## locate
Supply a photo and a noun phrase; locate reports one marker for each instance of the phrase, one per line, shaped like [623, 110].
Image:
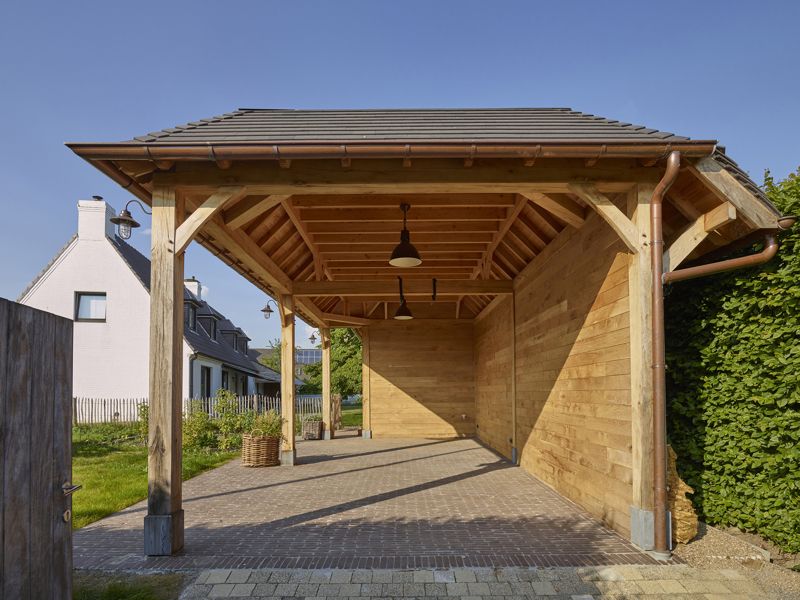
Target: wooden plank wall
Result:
[572, 371]
[493, 369]
[421, 378]
[35, 453]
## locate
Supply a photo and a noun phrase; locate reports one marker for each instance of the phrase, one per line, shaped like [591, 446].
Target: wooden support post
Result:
[286, 308]
[327, 407]
[163, 525]
[366, 421]
[641, 357]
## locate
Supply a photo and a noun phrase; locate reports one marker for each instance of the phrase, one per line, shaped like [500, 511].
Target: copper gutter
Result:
[579, 148]
[661, 542]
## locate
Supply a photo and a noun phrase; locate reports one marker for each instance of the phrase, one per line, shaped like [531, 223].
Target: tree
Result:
[272, 357]
[345, 366]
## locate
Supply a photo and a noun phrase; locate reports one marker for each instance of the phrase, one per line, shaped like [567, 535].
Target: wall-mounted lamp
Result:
[403, 313]
[125, 221]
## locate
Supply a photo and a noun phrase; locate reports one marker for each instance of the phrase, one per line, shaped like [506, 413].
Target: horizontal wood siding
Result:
[493, 370]
[573, 371]
[421, 378]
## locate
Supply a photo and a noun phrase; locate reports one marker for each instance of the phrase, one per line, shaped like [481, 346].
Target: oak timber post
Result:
[641, 356]
[288, 450]
[366, 424]
[327, 408]
[163, 525]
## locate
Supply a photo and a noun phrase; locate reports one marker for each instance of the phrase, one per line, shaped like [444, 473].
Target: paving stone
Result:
[239, 576]
[217, 576]
[464, 576]
[444, 576]
[392, 590]
[242, 589]
[341, 576]
[543, 588]
[285, 589]
[371, 589]
[479, 589]
[381, 576]
[265, 589]
[423, 577]
[457, 589]
[221, 590]
[403, 577]
[361, 576]
[280, 577]
[435, 589]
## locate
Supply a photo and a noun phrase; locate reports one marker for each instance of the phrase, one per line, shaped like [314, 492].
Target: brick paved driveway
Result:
[367, 504]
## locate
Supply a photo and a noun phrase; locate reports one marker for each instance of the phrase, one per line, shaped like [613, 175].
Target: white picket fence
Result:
[126, 410]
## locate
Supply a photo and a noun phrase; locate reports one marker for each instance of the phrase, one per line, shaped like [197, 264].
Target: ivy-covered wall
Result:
[733, 356]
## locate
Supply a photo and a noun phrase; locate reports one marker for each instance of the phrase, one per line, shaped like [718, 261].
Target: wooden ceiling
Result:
[460, 236]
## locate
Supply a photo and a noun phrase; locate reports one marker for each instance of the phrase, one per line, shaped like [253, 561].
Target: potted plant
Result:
[261, 447]
[312, 427]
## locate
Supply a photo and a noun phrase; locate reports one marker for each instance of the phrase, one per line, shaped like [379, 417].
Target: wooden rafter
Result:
[320, 270]
[350, 288]
[250, 208]
[511, 216]
[561, 206]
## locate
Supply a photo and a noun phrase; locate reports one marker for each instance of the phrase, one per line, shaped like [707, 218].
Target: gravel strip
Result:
[715, 549]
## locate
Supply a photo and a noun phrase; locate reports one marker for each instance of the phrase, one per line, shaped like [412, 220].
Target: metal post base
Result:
[642, 528]
[163, 534]
[514, 457]
[288, 457]
[366, 434]
[327, 434]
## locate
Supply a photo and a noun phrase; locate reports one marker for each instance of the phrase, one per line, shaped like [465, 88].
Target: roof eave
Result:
[433, 148]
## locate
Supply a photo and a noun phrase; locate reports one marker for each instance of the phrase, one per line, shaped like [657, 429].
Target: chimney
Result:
[94, 219]
[194, 286]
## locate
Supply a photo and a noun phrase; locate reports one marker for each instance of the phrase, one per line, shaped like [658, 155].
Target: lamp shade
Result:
[124, 222]
[404, 254]
[403, 313]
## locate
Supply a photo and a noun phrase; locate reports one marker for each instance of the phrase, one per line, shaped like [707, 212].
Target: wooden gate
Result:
[35, 454]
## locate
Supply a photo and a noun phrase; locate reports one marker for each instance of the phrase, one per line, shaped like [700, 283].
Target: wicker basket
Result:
[312, 430]
[260, 451]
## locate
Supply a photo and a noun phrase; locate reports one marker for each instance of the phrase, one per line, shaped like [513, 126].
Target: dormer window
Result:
[210, 325]
[191, 316]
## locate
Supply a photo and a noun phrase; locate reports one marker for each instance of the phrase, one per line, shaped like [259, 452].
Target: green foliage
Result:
[199, 431]
[143, 412]
[312, 417]
[272, 357]
[94, 585]
[231, 423]
[268, 424]
[345, 366]
[734, 388]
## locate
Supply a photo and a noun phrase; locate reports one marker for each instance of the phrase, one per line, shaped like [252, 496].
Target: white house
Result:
[103, 284]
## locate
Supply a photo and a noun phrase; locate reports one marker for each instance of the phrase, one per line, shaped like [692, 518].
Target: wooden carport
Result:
[535, 225]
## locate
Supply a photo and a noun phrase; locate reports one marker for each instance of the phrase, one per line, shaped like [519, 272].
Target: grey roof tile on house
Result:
[262, 126]
[198, 340]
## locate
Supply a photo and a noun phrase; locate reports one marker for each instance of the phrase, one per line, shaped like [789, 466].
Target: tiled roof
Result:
[259, 126]
[46, 268]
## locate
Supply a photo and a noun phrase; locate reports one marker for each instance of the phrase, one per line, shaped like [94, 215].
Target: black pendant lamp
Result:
[404, 254]
[403, 313]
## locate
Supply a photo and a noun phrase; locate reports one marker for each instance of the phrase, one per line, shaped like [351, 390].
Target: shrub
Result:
[734, 391]
[229, 421]
[199, 431]
[312, 417]
[269, 424]
[142, 425]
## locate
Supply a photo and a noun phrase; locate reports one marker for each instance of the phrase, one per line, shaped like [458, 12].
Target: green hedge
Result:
[733, 387]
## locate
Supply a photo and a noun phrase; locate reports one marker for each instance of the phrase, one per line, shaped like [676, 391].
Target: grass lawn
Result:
[112, 467]
[351, 415]
[103, 586]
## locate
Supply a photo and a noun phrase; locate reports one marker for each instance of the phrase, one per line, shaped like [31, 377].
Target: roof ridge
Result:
[154, 135]
[397, 109]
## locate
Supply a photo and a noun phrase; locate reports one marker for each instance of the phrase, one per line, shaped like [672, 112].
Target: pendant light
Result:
[404, 254]
[403, 313]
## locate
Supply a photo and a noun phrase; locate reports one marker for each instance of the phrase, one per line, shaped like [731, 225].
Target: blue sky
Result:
[105, 71]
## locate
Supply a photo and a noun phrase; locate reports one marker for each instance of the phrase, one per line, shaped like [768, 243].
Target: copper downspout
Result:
[660, 541]
[661, 546]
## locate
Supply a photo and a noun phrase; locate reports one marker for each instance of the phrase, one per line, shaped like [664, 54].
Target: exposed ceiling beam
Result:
[511, 216]
[691, 237]
[394, 200]
[561, 206]
[320, 269]
[415, 215]
[464, 287]
[248, 209]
